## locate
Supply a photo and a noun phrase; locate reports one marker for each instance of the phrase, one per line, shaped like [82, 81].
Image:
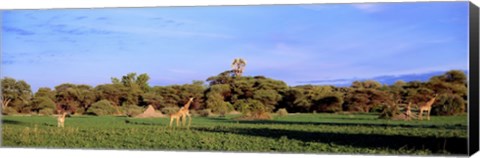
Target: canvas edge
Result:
[473, 101]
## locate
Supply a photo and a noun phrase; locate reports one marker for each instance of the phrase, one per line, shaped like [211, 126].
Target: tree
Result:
[449, 104]
[132, 88]
[110, 92]
[222, 78]
[332, 103]
[238, 66]
[43, 101]
[363, 100]
[44, 105]
[102, 107]
[16, 94]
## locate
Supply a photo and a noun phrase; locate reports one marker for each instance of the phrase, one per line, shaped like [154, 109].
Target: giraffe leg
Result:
[183, 120]
[420, 115]
[189, 120]
[428, 114]
[171, 121]
[177, 121]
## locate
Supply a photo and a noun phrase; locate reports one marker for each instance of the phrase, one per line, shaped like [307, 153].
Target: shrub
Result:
[170, 110]
[205, 112]
[43, 103]
[102, 107]
[9, 111]
[253, 110]
[132, 110]
[448, 104]
[46, 111]
[389, 111]
[328, 104]
[282, 112]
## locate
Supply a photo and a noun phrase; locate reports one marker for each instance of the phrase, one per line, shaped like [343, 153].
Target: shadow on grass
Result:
[145, 123]
[12, 122]
[385, 125]
[453, 145]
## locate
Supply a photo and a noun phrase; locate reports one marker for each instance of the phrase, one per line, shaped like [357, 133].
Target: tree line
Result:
[253, 96]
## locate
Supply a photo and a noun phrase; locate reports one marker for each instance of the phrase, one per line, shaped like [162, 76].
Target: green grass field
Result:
[295, 133]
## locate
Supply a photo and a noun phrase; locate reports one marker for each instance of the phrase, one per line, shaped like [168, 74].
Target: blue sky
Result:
[299, 44]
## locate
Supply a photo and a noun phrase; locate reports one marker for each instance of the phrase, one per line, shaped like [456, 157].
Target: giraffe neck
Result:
[429, 103]
[188, 104]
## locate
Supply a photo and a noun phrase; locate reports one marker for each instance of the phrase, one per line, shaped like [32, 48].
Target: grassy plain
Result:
[295, 133]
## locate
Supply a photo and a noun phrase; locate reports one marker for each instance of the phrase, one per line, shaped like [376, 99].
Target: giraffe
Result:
[61, 119]
[183, 113]
[408, 111]
[427, 107]
[177, 116]
[186, 112]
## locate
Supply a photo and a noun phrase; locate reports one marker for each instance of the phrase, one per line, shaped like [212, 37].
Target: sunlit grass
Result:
[312, 133]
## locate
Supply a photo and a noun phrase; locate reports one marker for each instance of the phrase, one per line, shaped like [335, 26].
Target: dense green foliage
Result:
[312, 133]
[102, 107]
[255, 97]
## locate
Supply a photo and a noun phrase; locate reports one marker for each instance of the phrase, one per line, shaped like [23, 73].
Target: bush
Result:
[46, 111]
[205, 112]
[389, 111]
[44, 103]
[132, 110]
[170, 110]
[449, 104]
[102, 107]
[253, 110]
[9, 111]
[282, 112]
[328, 104]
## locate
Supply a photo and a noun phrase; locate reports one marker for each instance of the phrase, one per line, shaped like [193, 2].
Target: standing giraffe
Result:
[61, 119]
[408, 111]
[186, 112]
[177, 116]
[183, 113]
[427, 107]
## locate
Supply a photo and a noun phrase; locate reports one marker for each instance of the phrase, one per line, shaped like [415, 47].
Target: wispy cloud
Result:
[80, 17]
[8, 62]
[17, 31]
[368, 7]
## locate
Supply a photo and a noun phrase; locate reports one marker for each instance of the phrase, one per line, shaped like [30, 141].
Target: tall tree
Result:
[238, 66]
[15, 93]
[43, 101]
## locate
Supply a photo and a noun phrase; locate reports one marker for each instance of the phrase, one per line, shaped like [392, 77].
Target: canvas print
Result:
[360, 78]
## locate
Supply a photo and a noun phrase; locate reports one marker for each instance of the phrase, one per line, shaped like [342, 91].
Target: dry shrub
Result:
[282, 112]
[205, 112]
[256, 116]
[9, 111]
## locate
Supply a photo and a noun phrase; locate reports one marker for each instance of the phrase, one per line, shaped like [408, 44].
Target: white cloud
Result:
[369, 8]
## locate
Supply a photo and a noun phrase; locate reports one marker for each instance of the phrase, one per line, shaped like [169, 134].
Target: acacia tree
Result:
[43, 101]
[65, 97]
[368, 95]
[132, 88]
[452, 90]
[110, 92]
[238, 66]
[216, 99]
[16, 94]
